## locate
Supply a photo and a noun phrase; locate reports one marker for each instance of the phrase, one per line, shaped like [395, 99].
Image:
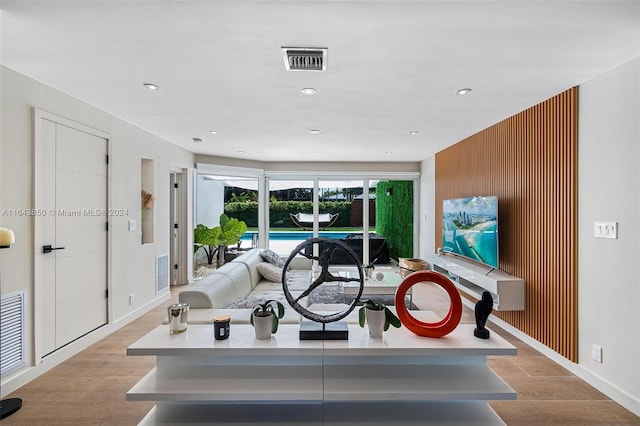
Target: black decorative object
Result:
[483, 310]
[326, 248]
[310, 330]
[9, 406]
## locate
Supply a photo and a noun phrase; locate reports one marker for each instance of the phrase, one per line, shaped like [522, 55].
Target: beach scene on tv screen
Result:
[470, 228]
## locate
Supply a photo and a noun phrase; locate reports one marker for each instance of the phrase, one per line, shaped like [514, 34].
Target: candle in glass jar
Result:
[221, 326]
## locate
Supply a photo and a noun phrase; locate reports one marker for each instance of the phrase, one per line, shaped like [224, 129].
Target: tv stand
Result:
[473, 279]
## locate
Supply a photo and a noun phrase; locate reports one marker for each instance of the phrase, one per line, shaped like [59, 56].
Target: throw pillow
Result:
[273, 258]
[270, 272]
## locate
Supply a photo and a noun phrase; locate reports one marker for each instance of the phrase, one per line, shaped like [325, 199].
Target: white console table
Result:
[507, 291]
[401, 379]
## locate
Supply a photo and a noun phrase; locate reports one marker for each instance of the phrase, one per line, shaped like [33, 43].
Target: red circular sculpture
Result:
[429, 329]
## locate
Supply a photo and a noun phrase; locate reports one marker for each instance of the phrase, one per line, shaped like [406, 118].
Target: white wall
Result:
[609, 190]
[132, 265]
[210, 201]
[427, 206]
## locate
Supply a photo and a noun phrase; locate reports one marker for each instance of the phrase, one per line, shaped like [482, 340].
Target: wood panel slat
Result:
[530, 162]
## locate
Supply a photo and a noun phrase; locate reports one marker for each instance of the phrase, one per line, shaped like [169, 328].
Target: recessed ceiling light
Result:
[151, 86]
[314, 131]
[413, 133]
[463, 91]
[308, 91]
[213, 132]
[196, 140]
[389, 152]
[316, 153]
[240, 151]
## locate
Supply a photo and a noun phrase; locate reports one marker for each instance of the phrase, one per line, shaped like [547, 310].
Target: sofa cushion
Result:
[298, 280]
[251, 259]
[240, 277]
[213, 291]
[270, 272]
[300, 262]
[266, 285]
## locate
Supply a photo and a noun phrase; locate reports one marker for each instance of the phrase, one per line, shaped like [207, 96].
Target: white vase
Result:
[375, 322]
[262, 326]
[369, 272]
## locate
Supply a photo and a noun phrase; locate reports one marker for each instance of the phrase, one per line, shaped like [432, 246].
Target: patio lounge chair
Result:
[305, 220]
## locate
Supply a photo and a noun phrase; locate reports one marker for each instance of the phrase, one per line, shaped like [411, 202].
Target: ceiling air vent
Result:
[304, 58]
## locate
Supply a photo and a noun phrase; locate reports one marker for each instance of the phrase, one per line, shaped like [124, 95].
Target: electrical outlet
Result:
[596, 353]
[605, 230]
[132, 299]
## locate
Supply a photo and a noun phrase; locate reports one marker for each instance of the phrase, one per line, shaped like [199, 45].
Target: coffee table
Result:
[372, 286]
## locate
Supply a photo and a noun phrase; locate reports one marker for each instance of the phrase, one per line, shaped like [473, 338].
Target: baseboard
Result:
[610, 390]
[24, 376]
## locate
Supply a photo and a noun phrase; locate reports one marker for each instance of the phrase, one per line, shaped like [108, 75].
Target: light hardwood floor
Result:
[90, 388]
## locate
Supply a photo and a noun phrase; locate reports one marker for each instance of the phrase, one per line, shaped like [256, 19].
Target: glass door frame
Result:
[365, 177]
[241, 172]
[263, 178]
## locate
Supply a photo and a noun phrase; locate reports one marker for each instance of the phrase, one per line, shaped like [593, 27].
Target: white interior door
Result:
[72, 190]
[174, 264]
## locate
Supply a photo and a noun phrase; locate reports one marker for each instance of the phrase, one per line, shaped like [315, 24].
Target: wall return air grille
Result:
[162, 273]
[304, 58]
[12, 332]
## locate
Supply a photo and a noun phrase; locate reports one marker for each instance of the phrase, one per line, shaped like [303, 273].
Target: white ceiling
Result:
[393, 67]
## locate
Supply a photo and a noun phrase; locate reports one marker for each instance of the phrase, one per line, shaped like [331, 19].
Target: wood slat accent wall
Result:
[530, 162]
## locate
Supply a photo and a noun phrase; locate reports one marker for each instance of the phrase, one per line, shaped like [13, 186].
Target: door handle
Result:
[48, 249]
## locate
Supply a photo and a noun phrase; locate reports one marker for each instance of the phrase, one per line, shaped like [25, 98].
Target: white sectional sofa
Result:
[237, 286]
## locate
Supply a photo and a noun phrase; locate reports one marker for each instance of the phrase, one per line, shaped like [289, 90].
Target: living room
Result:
[582, 169]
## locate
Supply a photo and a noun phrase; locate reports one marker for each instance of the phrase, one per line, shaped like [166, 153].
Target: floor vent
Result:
[12, 332]
[162, 273]
[304, 58]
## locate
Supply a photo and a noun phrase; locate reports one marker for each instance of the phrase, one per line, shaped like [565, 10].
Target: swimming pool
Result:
[296, 235]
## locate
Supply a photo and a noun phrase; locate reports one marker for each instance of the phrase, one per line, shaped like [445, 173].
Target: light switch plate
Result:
[605, 230]
[596, 353]
[132, 224]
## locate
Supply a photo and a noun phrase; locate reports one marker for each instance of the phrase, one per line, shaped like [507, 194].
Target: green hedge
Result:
[247, 211]
[279, 212]
[394, 216]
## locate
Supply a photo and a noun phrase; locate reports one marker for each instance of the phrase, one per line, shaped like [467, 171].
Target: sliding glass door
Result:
[290, 214]
[375, 216]
[236, 197]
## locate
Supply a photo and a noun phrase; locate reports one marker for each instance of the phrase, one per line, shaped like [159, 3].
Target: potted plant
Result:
[206, 239]
[231, 229]
[218, 238]
[266, 317]
[378, 316]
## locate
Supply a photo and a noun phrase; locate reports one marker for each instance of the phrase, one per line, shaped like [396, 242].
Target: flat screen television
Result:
[470, 228]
